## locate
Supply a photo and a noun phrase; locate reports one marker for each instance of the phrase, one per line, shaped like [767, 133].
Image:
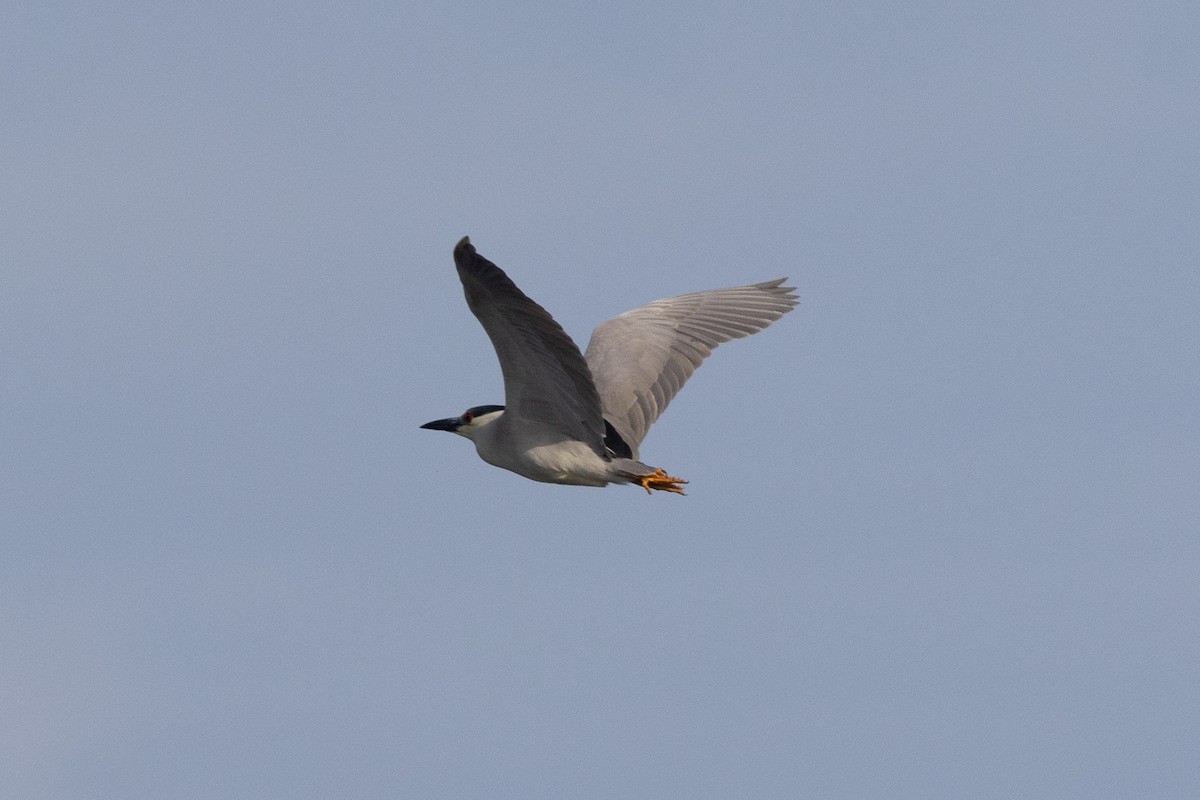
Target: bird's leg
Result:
[661, 481]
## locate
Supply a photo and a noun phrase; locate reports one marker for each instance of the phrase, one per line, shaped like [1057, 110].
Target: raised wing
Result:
[546, 380]
[641, 359]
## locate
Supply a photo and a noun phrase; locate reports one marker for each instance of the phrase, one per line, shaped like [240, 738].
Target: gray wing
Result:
[641, 359]
[546, 379]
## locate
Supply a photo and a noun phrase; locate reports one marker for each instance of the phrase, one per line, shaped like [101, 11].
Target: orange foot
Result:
[661, 481]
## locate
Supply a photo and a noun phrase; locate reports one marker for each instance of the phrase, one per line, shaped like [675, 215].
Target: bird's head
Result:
[469, 424]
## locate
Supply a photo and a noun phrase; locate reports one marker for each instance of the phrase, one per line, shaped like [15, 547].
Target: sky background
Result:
[941, 536]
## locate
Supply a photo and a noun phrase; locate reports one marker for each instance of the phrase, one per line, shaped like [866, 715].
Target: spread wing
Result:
[641, 359]
[546, 380]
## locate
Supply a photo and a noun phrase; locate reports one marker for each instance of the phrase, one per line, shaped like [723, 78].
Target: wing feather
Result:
[641, 359]
[546, 380]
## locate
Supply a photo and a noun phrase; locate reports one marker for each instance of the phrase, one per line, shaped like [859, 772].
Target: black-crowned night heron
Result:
[578, 419]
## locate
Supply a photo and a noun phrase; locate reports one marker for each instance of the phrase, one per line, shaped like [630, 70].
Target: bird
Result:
[579, 418]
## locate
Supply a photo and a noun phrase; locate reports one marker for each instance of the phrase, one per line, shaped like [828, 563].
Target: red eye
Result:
[467, 417]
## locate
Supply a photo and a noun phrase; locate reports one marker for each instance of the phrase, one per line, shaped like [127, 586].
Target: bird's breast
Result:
[542, 456]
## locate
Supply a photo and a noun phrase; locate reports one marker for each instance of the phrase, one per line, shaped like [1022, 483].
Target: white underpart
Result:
[538, 453]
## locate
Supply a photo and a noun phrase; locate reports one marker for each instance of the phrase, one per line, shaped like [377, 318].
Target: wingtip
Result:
[464, 245]
[781, 286]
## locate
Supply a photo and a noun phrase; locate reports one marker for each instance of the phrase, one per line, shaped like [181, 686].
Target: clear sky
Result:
[942, 535]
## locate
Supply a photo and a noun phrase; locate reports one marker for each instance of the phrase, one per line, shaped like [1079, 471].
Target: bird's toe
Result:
[661, 481]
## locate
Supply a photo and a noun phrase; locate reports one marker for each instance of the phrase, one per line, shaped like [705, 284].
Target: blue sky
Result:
[941, 532]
